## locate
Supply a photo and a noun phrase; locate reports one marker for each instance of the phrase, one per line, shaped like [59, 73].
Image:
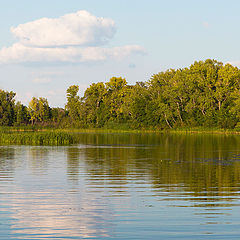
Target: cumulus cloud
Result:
[80, 28]
[74, 38]
[19, 53]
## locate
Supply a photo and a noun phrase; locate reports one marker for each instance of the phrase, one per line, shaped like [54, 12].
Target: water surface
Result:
[122, 186]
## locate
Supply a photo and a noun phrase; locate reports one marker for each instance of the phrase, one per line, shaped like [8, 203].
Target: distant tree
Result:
[7, 105]
[73, 103]
[22, 115]
[135, 104]
[57, 114]
[115, 96]
[161, 110]
[94, 108]
[205, 94]
[39, 110]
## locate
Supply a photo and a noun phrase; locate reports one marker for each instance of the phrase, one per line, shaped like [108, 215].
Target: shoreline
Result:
[113, 130]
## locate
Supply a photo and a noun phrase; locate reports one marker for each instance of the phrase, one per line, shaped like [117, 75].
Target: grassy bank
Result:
[116, 129]
[198, 130]
[37, 138]
[48, 130]
[41, 136]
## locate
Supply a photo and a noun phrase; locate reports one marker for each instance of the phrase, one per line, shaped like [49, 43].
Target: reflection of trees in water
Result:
[204, 164]
[7, 162]
[73, 163]
[39, 159]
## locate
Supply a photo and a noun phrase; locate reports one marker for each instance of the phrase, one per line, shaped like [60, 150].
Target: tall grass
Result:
[37, 138]
[22, 136]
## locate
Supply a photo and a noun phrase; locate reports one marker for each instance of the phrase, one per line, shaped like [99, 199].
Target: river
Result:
[122, 186]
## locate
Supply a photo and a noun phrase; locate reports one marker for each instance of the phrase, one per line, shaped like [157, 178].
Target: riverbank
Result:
[52, 136]
[197, 130]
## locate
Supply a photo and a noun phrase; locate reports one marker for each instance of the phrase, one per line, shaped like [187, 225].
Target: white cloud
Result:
[80, 28]
[19, 53]
[74, 38]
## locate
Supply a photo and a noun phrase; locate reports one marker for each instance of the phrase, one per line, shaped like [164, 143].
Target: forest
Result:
[206, 94]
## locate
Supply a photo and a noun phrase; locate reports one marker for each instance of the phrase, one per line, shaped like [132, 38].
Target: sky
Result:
[47, 46]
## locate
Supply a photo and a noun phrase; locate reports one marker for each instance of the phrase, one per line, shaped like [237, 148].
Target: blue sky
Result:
[142, 38]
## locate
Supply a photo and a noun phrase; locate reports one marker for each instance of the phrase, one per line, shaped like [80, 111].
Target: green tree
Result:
[135, 104]
[7, 105]
[39, 110]
[73, 103]
[94, 106]
[114, 98]
[161, 110]
[22, 116]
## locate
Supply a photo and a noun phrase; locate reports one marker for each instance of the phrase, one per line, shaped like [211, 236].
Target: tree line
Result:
[205, 94]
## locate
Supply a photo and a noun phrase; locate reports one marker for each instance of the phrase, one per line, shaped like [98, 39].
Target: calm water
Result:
[122, 186]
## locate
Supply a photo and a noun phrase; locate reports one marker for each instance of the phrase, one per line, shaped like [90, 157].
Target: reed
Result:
[37, 138]
[22, 136]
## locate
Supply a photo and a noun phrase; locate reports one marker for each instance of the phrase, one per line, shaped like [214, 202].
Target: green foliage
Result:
[207, 94]
[203, 95]
[93, 101]
[73, 103]
[116, 93]
[7, 103]
[39, 110]
[22, 115]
